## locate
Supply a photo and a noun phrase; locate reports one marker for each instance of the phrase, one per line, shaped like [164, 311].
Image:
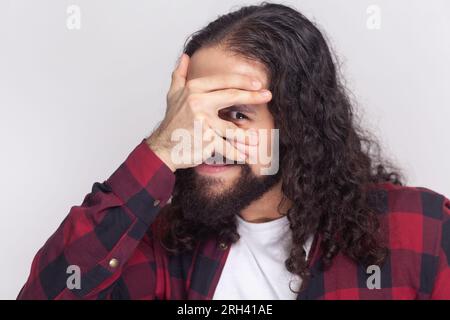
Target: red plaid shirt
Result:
[110, 236]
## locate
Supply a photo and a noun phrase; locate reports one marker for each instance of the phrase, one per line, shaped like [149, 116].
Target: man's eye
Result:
[237, 115]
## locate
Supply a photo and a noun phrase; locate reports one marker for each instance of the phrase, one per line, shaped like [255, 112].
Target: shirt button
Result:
[223, 246]
[156, 203]
[113, 263]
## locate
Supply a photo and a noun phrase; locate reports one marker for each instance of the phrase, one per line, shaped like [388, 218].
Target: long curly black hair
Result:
[328, 163]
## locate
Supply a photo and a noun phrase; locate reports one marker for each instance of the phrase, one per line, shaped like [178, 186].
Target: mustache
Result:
[219, 158]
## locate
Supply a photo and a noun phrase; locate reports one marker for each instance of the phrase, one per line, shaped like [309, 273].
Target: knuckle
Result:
[243, 80]
[237, 95]
[234, 93]
[200, 117]
[193, 101]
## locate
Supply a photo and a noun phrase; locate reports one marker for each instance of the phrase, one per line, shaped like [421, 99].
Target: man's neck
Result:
[267, 207]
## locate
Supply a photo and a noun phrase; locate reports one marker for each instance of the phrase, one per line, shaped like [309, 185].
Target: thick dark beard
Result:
[208, 213]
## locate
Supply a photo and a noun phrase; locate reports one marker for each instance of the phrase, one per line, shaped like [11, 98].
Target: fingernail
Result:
[265, 93]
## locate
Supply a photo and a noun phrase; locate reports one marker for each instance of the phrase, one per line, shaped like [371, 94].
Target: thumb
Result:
[180, 73]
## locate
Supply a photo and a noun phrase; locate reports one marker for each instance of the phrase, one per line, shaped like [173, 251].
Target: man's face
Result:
[216, 60]
[212, 196]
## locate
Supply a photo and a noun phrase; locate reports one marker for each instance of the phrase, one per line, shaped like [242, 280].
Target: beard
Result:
[205, 212]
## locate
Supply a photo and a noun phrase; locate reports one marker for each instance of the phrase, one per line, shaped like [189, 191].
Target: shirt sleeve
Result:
[98, 237]
[441, 289]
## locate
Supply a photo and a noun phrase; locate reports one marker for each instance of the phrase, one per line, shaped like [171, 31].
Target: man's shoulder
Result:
[414, 219]
[392, 199]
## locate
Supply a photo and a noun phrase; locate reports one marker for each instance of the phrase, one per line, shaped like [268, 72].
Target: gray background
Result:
[74, 103]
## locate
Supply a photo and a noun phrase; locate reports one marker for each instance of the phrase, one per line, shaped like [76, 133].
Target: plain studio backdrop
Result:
[74, 102]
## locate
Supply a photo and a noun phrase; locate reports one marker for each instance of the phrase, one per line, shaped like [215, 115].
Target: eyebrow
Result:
[241, 108]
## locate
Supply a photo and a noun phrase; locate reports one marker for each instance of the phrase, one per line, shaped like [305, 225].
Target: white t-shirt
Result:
[255, 268]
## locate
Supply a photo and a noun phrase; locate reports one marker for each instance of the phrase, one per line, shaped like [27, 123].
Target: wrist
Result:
[162, 154]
